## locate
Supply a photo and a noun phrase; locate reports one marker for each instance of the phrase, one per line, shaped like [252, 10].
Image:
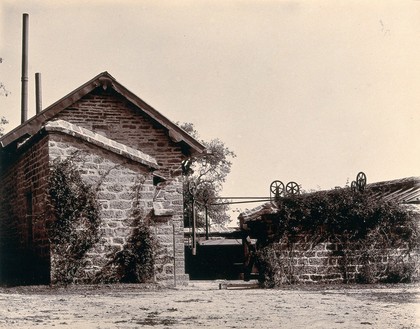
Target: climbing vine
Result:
[135, 263]
[363, 225]
[73, 227]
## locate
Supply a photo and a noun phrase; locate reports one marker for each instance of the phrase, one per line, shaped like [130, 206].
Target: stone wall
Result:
[170, 231]
[290, 253]
[25, 252]
[332, 263]
[116, 179]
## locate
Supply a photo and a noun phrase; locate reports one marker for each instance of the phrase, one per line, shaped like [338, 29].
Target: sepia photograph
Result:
[209, 163]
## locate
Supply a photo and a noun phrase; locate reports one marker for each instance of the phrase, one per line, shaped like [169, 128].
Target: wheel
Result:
[361, 181]
[292, 188]
[353, 186]
[277, 188]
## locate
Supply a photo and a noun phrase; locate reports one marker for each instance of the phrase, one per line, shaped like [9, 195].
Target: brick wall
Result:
[25, 176]
[24, 244]
[108, 113]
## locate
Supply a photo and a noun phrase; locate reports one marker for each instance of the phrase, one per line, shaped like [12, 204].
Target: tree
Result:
[3, 92]
[3, 121]
[204, 178]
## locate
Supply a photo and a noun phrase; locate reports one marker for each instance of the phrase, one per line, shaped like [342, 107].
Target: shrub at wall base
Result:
[135, 263]
[74, 226]
[74, 230]
[340, 236]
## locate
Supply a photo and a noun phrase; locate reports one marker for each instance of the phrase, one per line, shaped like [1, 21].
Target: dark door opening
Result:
[215, 259]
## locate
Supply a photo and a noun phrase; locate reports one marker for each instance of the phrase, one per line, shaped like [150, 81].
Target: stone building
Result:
[120, 140]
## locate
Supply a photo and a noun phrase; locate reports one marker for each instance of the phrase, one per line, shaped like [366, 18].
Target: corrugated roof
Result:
[404, 190]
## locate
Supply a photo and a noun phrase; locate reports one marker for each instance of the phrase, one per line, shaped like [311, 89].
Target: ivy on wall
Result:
[363, 225]
[342, 214]
[135, 263]
[74, 225]
[74, 228]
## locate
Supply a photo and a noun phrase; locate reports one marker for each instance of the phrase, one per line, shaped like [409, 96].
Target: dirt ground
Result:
[203, 304]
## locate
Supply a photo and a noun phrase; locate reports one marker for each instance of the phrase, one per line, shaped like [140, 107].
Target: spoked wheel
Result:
[292, 188]
[361, 181]
[353, 186]
[277, 188]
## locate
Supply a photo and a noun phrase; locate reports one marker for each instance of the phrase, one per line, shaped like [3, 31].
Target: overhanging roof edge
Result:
[34, 124]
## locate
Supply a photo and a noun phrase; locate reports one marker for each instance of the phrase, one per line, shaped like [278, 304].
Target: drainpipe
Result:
[24, 98]
[173, 227]
[207, 223]
[194, 238]
[206, 203]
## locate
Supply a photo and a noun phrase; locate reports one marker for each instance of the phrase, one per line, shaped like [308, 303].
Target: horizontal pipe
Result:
[240, 197]
[238, 202]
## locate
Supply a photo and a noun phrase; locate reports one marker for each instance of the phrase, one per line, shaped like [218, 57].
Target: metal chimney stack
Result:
[24, 99]
[38, 92]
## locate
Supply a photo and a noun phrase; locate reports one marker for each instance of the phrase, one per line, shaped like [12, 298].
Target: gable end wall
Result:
[118, 177]
[108, 113]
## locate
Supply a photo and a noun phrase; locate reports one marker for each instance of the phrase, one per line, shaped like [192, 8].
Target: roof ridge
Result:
[106, 80]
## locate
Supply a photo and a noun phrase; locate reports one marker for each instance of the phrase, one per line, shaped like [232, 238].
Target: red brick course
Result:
[24, 176]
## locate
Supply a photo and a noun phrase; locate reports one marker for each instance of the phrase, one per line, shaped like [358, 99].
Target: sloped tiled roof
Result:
[220, 242]
[254, 213]
[104, 79]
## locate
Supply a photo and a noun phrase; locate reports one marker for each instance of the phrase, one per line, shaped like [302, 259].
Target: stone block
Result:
[331, 246]
[120, 204]
[118, 240]
[106, 196]
[318, 261]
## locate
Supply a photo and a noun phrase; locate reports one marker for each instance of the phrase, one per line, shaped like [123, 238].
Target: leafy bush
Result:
[74, 228]
[342, 214]
[277, 266]
[74, 225]
[401, 272]
[363, 224]
[135, 263]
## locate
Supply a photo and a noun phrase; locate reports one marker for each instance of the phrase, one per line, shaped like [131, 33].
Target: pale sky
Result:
[305, 91]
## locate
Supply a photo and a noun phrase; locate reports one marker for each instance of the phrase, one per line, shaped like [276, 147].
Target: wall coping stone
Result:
[89, 136]
[159, 210]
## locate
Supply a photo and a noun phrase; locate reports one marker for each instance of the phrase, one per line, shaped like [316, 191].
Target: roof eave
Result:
[106, 80]
[35, 124]
[176, 133]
